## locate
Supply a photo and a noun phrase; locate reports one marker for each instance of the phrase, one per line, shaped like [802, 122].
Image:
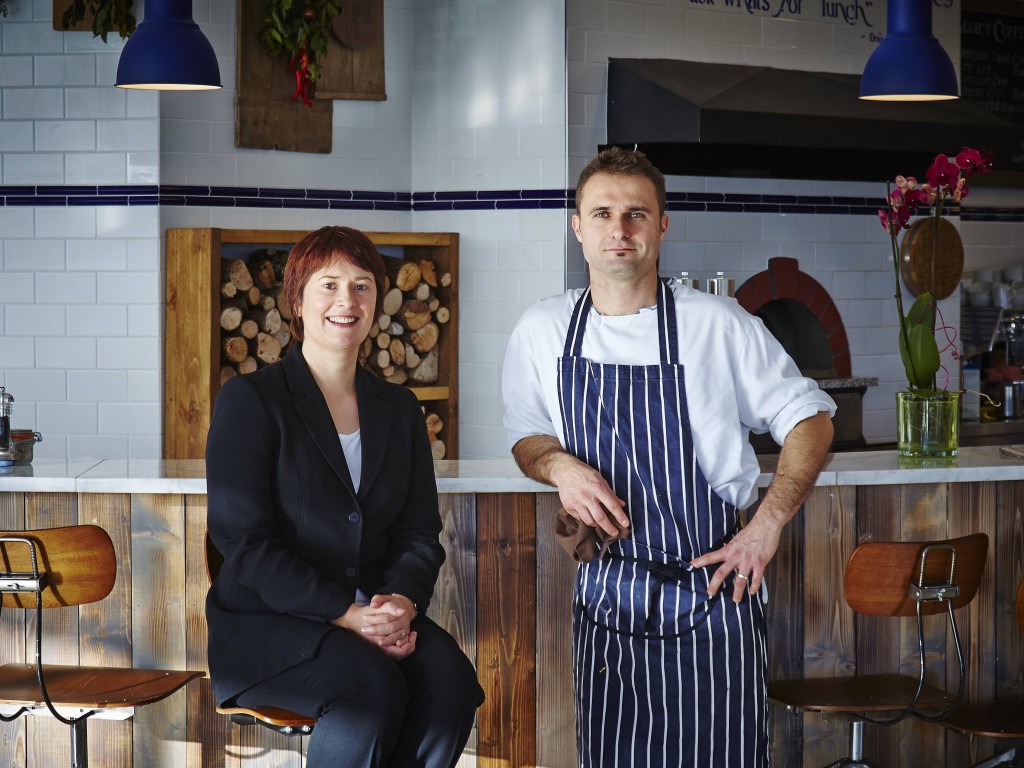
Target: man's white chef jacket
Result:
[738, 377]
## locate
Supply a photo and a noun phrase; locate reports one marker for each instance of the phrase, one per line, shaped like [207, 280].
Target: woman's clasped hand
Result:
[385, 622]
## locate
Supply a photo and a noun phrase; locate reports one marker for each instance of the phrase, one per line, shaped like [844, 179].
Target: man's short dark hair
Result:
[616, 161]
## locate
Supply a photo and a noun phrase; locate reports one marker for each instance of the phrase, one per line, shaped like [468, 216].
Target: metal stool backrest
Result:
[78, 565]
[918, 579]
[879, 575]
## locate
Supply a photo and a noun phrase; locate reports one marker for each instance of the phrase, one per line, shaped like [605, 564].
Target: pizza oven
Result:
[801, 315]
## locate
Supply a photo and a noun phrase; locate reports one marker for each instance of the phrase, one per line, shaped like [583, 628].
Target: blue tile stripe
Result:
[454, 200]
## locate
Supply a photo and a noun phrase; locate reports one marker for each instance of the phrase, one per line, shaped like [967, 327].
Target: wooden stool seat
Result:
[997, 719]
[89, 687]
[863, 693]
[274, 718]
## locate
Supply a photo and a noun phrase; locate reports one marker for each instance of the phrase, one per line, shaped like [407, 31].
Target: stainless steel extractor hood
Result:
[703, 119]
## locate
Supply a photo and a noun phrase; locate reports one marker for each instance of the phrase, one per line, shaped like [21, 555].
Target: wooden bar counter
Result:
[504, 593]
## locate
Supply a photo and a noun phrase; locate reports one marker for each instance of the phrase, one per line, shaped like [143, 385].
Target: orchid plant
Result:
[946, 182]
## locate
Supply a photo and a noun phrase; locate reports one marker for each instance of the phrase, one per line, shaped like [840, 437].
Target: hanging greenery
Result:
[107, 15]
[299, 28]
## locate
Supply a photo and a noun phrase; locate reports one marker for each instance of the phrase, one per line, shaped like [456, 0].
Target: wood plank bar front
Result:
[505, 593]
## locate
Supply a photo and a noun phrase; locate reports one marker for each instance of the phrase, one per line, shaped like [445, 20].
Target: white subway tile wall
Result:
[64, 328]
[483, 96]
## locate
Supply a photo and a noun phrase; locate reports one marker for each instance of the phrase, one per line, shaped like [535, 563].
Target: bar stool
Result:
[998, 719]
[274, 718]
[894, 579]
[62, 568]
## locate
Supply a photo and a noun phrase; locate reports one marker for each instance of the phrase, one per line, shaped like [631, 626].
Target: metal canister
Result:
[23, 442]
[721, 285]
[6, 446]
[689, 282]
[1005, 396]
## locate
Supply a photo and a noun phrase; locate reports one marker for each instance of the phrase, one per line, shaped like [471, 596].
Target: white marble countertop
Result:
[495, 475]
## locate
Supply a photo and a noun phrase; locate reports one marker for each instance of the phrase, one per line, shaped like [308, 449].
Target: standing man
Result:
[635, 398]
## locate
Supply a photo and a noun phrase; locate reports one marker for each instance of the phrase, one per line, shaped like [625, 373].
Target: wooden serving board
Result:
[932, 264]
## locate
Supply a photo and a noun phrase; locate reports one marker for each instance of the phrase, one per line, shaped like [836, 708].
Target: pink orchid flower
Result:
[942, 172]
[969, 159]
[945, 178]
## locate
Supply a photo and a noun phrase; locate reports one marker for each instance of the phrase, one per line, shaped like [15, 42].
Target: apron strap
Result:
[574, 338]
[668, 336]
[667, 333]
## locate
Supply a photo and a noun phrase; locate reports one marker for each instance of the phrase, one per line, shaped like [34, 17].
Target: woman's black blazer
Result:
[297, 540]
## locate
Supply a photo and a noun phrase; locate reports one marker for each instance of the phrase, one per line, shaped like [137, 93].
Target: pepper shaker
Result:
[6, 443]
[720, 285]
[689, 282]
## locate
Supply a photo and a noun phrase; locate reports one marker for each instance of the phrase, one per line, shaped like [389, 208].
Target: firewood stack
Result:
[253, 322]
[403, 346]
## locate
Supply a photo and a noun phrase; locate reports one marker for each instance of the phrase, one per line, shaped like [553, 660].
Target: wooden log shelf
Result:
[224, 317]
[504, 593]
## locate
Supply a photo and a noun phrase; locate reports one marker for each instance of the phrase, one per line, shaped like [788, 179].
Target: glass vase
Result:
[927, 423]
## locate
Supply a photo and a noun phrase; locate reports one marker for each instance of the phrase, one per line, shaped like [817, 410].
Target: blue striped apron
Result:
[663, 674]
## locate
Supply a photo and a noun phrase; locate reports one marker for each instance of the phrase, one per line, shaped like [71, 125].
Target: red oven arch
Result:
[784, 280]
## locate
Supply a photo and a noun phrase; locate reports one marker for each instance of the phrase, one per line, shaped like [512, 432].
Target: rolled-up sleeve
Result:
[772, 395]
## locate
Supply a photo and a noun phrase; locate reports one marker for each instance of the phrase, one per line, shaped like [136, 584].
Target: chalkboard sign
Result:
[992, 71]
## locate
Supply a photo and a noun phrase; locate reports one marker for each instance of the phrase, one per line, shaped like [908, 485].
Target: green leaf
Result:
[922, 312]
[920, 356]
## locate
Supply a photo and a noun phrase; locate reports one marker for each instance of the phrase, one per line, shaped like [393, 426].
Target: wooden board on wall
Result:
[60, 7]
[265, 115]
[354, 68]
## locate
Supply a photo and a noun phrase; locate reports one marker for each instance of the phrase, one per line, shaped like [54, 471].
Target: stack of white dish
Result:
[994, 287]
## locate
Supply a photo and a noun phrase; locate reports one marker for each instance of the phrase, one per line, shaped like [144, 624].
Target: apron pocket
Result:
[645, 598]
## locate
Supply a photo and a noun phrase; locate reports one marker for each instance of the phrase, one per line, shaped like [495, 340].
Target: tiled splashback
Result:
[492, 109]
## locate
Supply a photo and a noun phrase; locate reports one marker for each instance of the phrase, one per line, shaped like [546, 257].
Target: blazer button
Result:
[350, 572]
[353, 517]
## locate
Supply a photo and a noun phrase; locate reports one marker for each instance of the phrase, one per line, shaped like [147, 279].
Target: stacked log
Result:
[403, 346]
[254, 328]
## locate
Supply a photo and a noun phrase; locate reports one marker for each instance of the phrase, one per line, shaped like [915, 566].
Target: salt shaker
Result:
[689, 282]
[720, 285]
[6, 443]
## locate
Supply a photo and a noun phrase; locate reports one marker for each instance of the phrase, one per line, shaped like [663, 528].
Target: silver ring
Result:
[404, 634]
[741, 575]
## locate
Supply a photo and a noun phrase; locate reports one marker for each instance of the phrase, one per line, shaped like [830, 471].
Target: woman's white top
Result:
[353, 449]
[738, 377]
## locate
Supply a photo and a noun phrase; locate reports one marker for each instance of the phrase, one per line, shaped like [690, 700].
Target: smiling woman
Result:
[333, 306]
[323, 502]
[334, 285]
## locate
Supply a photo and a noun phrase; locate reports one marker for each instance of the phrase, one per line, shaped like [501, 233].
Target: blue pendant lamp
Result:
[909, 64]
[168, 52]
